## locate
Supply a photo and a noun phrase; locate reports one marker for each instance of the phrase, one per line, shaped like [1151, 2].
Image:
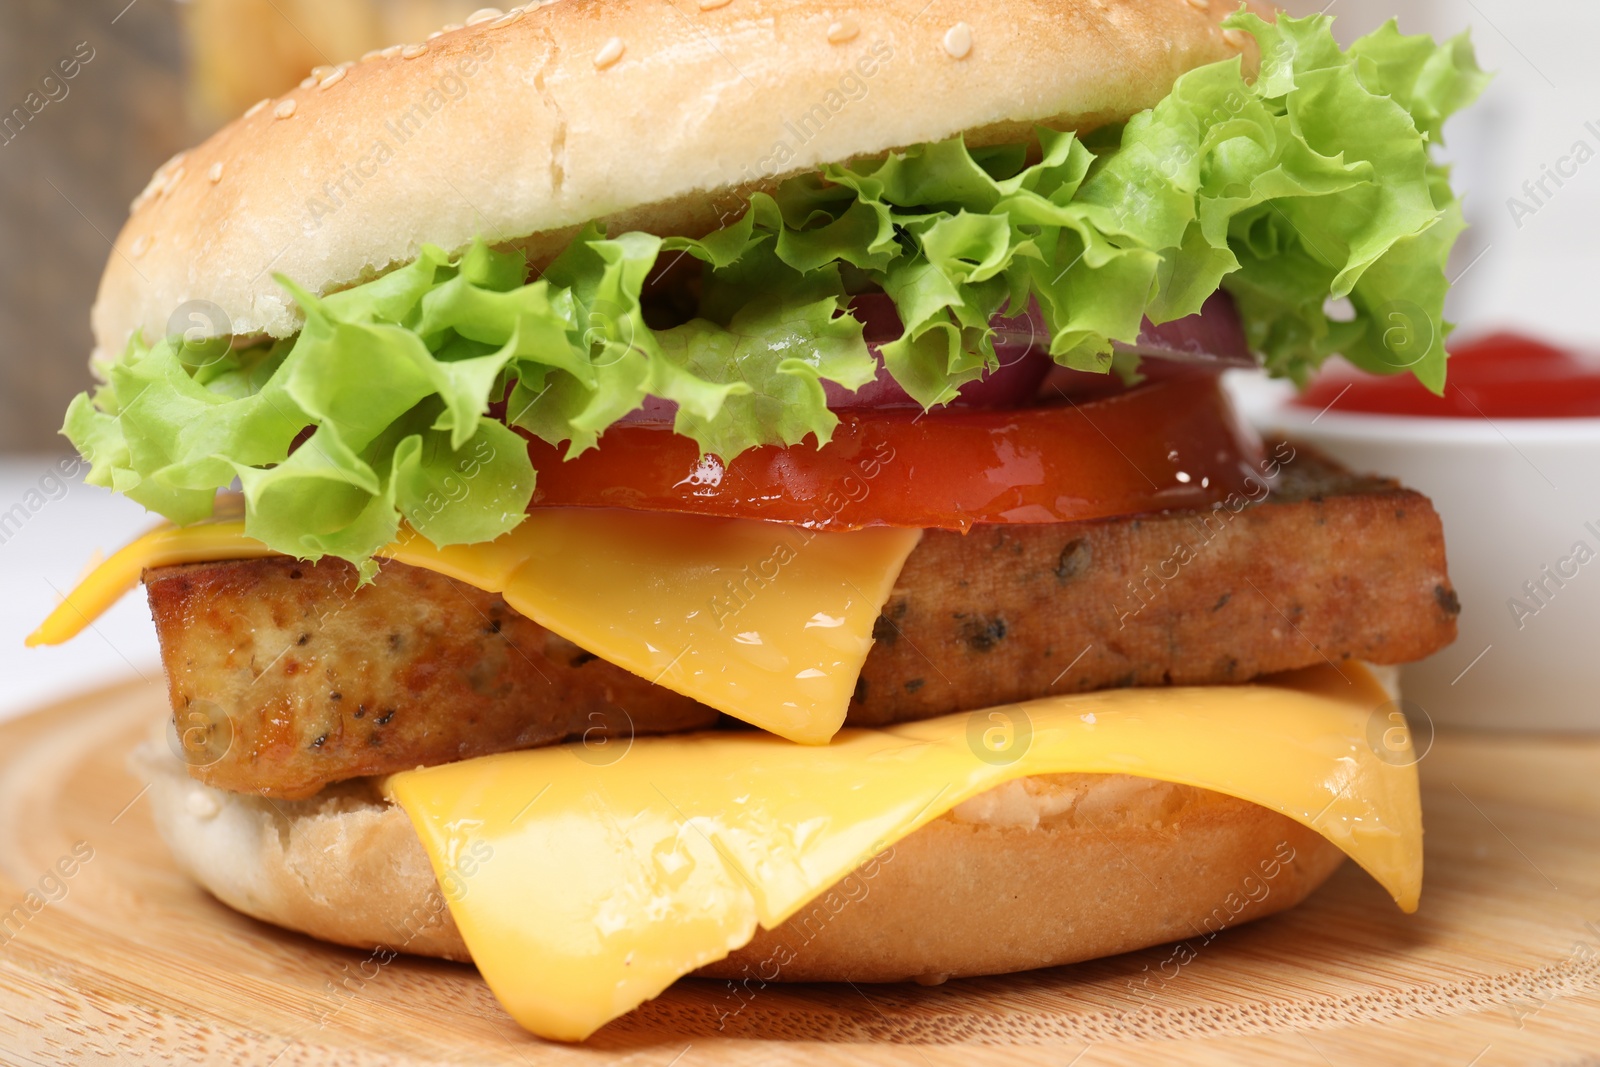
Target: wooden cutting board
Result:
[124, 961]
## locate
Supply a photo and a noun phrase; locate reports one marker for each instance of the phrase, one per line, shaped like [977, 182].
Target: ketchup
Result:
[1502, 376]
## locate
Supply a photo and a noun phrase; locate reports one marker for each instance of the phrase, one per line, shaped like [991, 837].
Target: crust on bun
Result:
[1034, 873]
[649, 115]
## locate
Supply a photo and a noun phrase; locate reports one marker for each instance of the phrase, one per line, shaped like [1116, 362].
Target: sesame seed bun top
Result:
[650, 114]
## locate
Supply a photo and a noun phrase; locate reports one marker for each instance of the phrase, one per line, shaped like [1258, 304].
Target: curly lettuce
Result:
[1310, 185]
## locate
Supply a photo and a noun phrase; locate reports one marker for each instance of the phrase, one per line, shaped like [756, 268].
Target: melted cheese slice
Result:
[583, 889]
[767, 623]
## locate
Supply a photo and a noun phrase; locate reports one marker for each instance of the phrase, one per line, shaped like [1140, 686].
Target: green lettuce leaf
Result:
[1311, 185]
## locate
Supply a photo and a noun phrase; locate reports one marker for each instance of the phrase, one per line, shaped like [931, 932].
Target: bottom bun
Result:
[1036, 872]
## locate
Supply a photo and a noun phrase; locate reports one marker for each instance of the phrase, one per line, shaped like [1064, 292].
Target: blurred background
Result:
[147, 79]
[93, 97]
[95, 94]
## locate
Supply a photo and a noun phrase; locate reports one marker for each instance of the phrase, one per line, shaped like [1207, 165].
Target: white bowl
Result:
[1520, 500]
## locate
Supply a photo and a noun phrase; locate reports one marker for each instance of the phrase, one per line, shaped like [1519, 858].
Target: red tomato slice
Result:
[1168, 444]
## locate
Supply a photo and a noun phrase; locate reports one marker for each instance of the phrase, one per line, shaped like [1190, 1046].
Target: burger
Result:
[744, 488]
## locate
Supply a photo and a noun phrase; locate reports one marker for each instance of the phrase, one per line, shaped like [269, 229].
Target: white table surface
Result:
[42, 560]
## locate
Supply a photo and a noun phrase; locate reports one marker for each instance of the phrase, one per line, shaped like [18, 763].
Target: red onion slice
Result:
[1211, 340]
[1020, 346]
[1214, 337]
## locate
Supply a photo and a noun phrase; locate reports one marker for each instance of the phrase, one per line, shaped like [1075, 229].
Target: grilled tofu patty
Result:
[300, 679]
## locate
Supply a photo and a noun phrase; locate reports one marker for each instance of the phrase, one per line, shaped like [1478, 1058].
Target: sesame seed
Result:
[215, 173]
[201, 804]
[392, 51]
[141, 244]
[609, 53]
[285, 108]
[1203, 5]
[842, 31]
[1237, 38]
[256, 107]
[368, 57]
[320, 71]
[712, 5]
[958, 40]
[308, 81]
[451, 27]
[332, 79]
[412, 51]
[435, 35]
[172, 179]
[483, 14]
[507, 19]
[164, 176]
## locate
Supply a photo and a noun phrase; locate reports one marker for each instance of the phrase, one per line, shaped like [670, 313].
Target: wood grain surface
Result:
[116, 958]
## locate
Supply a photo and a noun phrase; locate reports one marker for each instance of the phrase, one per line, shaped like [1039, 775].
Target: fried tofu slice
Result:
[290, 677]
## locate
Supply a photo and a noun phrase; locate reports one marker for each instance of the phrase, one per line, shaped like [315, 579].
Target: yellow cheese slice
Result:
[767, 623]
[583, 889]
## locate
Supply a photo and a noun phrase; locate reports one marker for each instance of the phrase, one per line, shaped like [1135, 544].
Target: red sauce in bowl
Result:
[1501, 376]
